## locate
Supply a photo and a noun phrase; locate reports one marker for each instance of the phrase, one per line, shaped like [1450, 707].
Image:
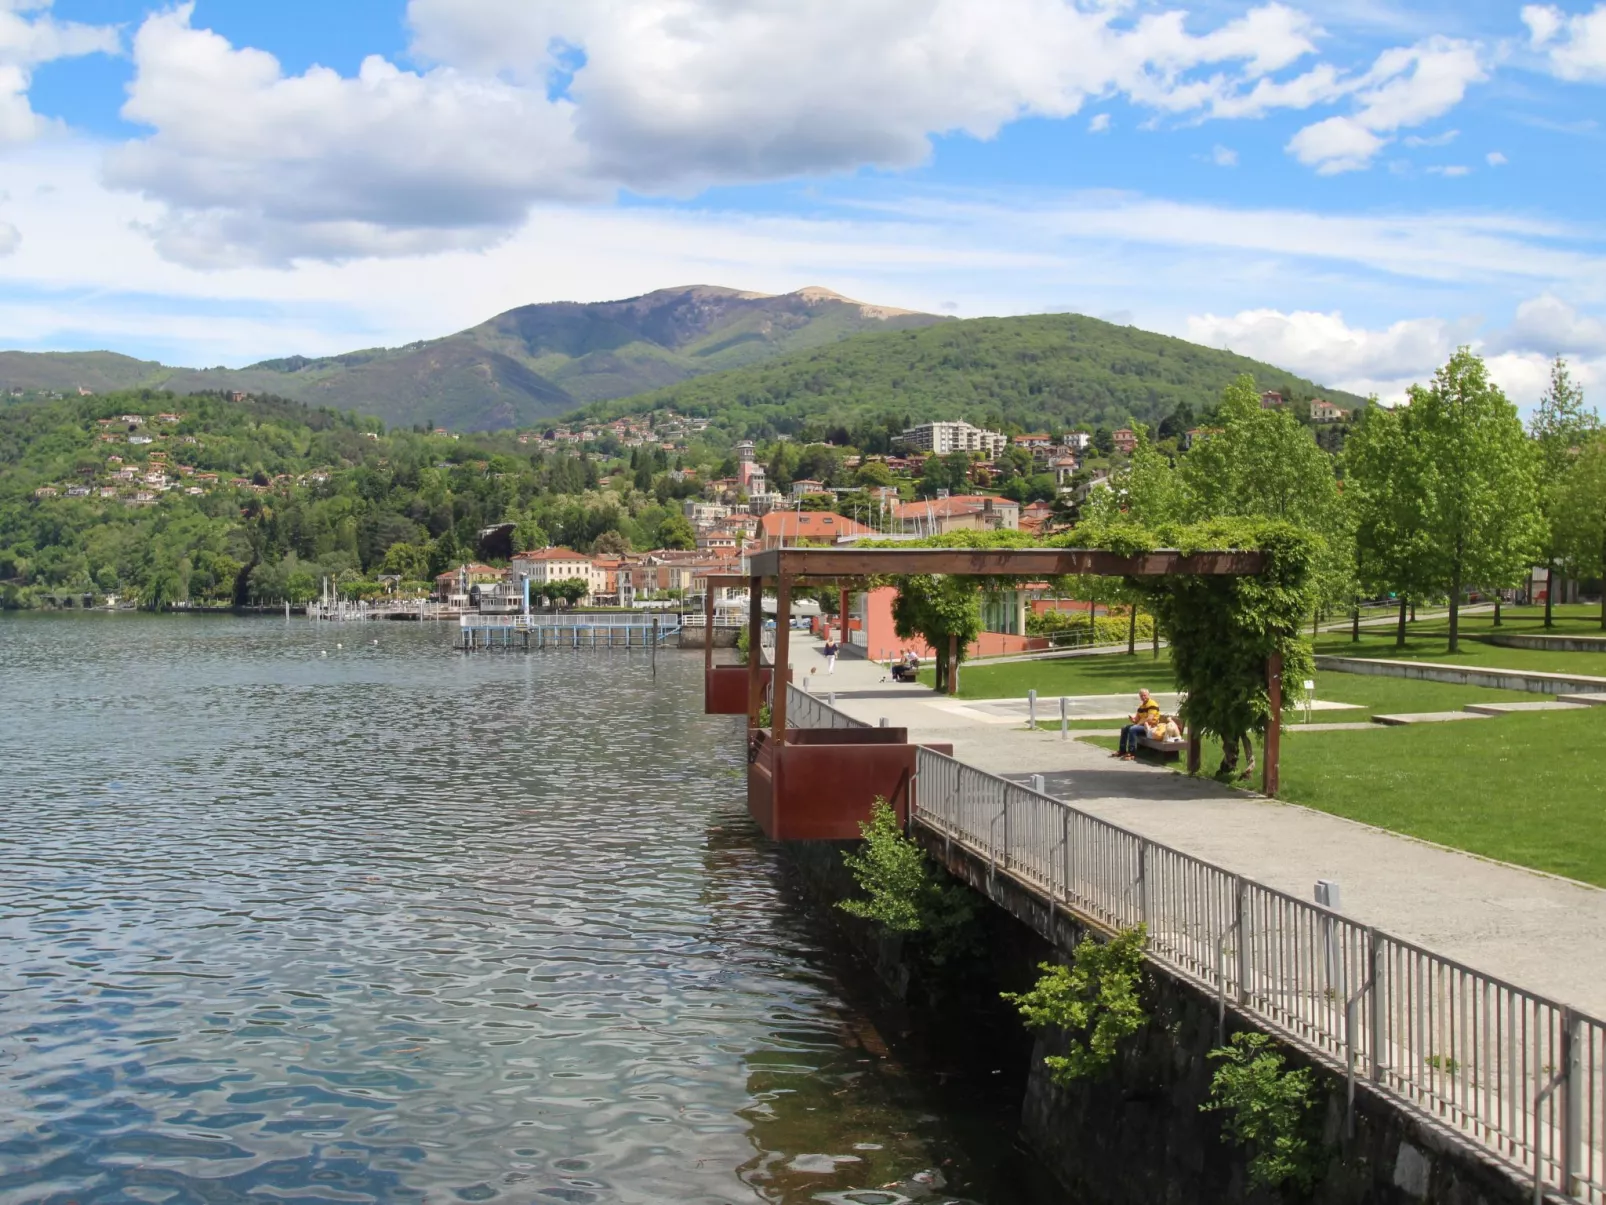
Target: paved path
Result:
[1542, 933]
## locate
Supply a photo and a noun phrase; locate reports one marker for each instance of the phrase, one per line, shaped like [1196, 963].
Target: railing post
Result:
[1143, 882]
[1572, 1104]
[1065, 852]
[1379, 1009]
[1240, 920]
[1065, 718]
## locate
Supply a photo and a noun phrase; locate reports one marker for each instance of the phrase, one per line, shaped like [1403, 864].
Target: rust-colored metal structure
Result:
[816, 784]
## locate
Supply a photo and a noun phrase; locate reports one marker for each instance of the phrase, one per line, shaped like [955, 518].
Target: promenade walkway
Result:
[1534, 930]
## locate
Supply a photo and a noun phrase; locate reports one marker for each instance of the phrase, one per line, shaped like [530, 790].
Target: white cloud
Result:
[1329, 350]
[1099, 124]
[1405, 87]
[1338, 144]
[1551, 327]
[1495, 159]
[1451, 170]
[1224, 156]
[25, 43]
[1574, 46]
[1418, 140]
[575, 99]
[10, 237]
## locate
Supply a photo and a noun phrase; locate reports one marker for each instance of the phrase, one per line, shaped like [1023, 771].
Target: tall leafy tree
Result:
[1479, 482]
[1580, 514]
[1144, 492]
[1385, 490]
[1266, 464]
[1559, 425]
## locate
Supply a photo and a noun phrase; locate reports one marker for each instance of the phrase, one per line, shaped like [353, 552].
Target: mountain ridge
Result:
[518, 367]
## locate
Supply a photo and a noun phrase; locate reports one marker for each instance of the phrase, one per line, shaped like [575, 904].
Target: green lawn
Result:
[1520, 788]
[1429, 640]
[1105, 674]
[1117, 673]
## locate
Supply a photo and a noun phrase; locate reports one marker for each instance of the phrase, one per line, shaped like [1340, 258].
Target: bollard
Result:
[883, 721]
[1038, 784]
[1031, 709]
[1065, 718]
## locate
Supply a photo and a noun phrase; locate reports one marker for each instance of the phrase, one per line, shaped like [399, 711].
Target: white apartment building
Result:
[943, 438]
[556, 565]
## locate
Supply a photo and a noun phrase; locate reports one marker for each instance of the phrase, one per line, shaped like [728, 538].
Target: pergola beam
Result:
[820, 564]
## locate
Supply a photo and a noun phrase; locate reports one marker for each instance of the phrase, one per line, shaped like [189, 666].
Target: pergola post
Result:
[708, 629]
[1195, 750]
[842, 616]
[755, 648]
[1274, 725]
[783, 651]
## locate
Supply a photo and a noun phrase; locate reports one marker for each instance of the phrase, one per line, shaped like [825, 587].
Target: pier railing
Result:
[806, 710]
[1520, 1075]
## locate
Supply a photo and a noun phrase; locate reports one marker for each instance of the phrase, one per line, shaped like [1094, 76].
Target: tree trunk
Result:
[1132, 630]
[1156, 634]
[1455, 607]
[1399, 636]
[1355, 624]
[1497, 608]
[1550, 594]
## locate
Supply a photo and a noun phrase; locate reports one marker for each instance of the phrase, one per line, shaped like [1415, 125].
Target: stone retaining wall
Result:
[1554, 644]
[1463, 675]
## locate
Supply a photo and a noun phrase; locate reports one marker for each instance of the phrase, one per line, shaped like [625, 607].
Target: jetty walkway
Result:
[1545, 933]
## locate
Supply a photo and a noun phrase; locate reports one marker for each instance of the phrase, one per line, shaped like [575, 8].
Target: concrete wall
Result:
[1556, 644]
[1136, 1136]
[1501, 679]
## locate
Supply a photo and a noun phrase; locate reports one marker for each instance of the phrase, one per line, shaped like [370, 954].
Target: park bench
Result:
[1164, 748]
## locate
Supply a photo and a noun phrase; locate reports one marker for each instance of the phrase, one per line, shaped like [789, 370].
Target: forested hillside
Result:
[1053, 371]
[160, 499]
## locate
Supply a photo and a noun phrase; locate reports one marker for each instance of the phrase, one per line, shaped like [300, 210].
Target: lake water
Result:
[399, 924]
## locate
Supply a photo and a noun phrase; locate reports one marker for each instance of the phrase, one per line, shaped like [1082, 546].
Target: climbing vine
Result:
[1095, 1001]
[1268, 1109]
[902, 892]
[1221, 630]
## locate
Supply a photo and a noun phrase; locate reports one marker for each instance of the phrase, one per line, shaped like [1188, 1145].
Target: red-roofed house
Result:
[788, 529]
[1126, 441]
[960, 512]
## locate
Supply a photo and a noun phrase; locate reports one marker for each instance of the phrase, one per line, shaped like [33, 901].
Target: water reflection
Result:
[395, 924]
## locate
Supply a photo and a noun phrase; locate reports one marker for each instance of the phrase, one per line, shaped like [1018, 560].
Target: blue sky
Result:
[1346, 189]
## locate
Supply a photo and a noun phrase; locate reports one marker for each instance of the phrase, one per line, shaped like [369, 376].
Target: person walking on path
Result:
[830, 655]
[1148, 714]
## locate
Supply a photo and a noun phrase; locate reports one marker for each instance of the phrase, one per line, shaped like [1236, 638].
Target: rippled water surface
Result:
[397, 924]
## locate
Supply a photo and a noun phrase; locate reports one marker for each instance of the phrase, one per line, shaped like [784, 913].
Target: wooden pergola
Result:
[846, 568]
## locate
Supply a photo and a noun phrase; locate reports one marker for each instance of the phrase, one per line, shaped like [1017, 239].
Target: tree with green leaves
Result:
[566, 590]
[1386, 490]
[1266, 464]
[1559, 426]
[1145, 491]
[676, 532]
[1479, 482]
[942, 611]
[1580, 514]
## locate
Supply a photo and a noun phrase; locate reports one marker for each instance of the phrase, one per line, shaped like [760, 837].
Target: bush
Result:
[1107, 629]
[1268, 1110]
[1095, 1000]
[903, 895]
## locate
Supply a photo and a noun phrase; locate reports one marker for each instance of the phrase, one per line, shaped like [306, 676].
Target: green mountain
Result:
[1046, 370]
[517, 369]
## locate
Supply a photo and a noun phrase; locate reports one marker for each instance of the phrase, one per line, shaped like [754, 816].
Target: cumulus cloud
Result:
[1495, 159]
[517, 103]
[10, 238]
[1224, 156]
[1388, 361]
[1099, 124]
[1574, 46]
[27, 41]
[1405, 87]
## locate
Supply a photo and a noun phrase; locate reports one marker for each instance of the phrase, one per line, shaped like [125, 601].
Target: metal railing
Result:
[1520, 1075]
[666, 621]
[805, 710]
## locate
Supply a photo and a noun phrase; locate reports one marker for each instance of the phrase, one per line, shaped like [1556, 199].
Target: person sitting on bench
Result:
[1147, 714]
[907, 669]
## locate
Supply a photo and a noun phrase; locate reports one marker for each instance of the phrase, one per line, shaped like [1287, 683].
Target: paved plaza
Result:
[1534, 930]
